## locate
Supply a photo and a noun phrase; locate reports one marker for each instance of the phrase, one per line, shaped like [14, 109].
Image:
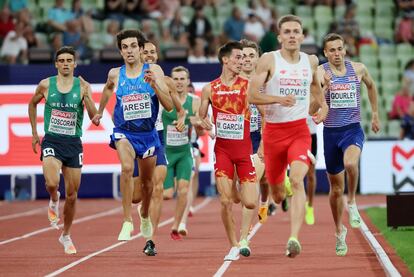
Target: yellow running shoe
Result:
[288, 187]
[127, 229]
[263, 214]
[309, 217]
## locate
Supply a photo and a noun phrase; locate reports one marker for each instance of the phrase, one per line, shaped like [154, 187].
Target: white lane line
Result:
[80, 220]
[32, 212]
[75, 263]
[387, 265]
[226, 264]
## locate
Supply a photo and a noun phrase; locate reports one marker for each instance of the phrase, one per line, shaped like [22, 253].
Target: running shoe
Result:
[127, 229]
[233, 254]
[288, 186]
[309, 217]
[175, 235]
[67, 243]
[146, 227]
[293, 247]
[244, 248]
[53, 212]
[263, 212]
[354, 217]
[285, 205]
[272, 209]
[149, 248]
[341, 248]
[182, 230]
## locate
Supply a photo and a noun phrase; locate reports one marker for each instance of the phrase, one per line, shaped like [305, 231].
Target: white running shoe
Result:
[233, 254]
[67, 243]
[53, 212]
[182, 230]
[341, 248]
[127, 229]
[354, 217]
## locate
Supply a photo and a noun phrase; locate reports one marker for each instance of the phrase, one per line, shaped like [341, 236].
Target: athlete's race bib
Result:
[296, 87]
[175, 138]
[63, 123]
[136, 106]
[230, 126]
[343, 96]
[254, 118]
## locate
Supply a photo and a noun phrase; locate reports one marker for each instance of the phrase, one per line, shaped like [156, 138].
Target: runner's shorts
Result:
[284, 143]
[227, 156]
[159, 152]
[67, 150]
[145, 144]
[336, 140]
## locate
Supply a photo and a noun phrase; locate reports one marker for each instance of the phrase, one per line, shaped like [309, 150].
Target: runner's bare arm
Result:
[175, 103]
[200, 125]
[87, 98]
[258, 80]
[40, 92]
[155, 76]
[205, 101]
[108, 89]
[372, 95]
[317, 91]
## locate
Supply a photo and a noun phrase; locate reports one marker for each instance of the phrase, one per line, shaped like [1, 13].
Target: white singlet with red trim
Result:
[289, 79]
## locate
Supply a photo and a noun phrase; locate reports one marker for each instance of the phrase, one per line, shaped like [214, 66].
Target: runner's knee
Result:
[336, 191]
[71, 197]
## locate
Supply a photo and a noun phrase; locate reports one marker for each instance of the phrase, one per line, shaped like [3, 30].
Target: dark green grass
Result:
[402, 238]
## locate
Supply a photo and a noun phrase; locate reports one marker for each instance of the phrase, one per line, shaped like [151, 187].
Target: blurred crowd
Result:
[197, 26]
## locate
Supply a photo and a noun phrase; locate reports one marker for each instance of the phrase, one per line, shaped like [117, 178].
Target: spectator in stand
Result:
[151, 8]
[197, 52]
[253, 29]
[264, 12]
[169, 8]
[269, 42]
[199, 26]
[6, 22]
[132, 9]
[405, 30]
[405, 7]
[17, 5]
[73, 37]
[177, 27]
[114, 9]
[400, 104]
[84, 17]
[348, 28]
[109, 38]
[408, 77]
[30, 37]
[58, 15]
[14, 48]
[234, 26]
[407, 124]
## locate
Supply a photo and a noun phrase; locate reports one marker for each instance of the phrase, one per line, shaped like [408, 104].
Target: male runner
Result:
[342, 134]
[139, 86]
[290, 77]
[65, 97]
[233, 147]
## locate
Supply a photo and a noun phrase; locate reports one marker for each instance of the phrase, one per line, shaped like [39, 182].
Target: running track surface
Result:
[29, 248]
